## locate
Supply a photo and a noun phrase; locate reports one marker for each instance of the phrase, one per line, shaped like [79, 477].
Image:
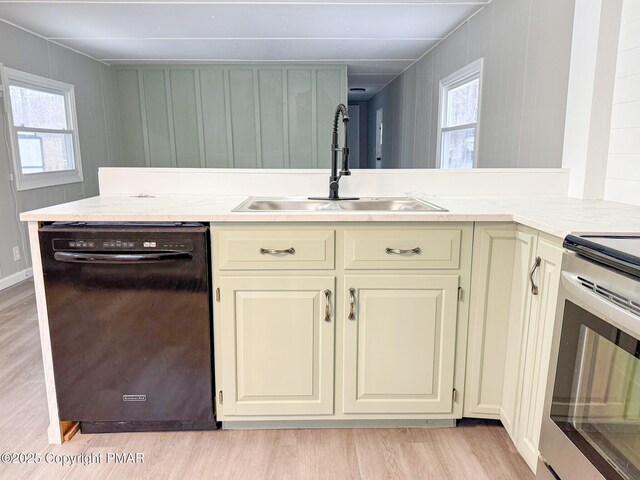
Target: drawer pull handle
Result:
[352, 304]
[534, 287]
[327, 306]
[276, 251]
[400, 251]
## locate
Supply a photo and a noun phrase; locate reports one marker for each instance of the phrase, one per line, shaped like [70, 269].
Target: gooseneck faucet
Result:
[335, 177]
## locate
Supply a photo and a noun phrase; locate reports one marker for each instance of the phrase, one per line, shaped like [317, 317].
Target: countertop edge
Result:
[333, 217]
[556, 217]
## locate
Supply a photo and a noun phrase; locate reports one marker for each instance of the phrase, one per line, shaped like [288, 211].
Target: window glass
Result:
[45, 152]
[462, 104]
[37, 109]
[458, 148]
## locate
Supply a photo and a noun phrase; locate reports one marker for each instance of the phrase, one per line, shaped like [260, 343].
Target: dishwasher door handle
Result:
[122, 258]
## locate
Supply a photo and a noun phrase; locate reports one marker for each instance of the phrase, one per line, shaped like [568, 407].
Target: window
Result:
[43, 132]
[458, 118]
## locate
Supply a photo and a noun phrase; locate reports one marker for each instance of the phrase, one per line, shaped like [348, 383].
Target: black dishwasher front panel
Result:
[129, 320]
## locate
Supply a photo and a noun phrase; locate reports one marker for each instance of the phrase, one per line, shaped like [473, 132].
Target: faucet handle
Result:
[345, 162]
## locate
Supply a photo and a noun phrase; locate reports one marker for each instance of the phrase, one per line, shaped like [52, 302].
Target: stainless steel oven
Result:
[591, 421]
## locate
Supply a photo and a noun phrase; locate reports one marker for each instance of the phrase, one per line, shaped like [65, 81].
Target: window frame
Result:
[11, 77]
[466, 74]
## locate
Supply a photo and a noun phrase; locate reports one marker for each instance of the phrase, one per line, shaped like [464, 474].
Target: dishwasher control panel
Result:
[118, 244]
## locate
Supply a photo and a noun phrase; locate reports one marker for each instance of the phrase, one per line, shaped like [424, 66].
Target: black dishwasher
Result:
[129, 317]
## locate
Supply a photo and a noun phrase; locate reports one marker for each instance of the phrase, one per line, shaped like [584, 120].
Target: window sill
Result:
[50, 179]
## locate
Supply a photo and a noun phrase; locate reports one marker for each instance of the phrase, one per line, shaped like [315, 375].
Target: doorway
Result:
[379, 129]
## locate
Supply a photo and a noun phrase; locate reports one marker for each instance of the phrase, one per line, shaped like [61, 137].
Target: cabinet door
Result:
[489, 319]
[538, 350]
[525, 253]
[399, 344]
[278, 345]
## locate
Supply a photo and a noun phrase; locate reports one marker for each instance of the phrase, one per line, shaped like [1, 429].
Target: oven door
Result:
[591, 423]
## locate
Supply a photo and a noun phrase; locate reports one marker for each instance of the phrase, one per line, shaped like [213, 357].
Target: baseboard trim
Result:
[298, 424]
[14, 278]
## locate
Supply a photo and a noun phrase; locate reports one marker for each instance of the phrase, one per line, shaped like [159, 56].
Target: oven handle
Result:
[120, 258]
[611, 312]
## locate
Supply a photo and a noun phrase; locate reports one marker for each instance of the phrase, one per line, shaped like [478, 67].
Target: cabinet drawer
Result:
[275, 249]
[402, 249]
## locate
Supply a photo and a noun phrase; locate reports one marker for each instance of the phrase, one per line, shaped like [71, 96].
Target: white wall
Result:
[526, 46]
[98, 134]
[623, 167]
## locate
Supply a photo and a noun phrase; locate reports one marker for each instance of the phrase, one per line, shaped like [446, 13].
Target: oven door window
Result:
[596, 397]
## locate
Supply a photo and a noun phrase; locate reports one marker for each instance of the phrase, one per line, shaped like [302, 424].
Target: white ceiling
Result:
[377, 39]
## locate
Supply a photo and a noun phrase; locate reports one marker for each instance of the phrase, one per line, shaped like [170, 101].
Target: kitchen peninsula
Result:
[456, 280]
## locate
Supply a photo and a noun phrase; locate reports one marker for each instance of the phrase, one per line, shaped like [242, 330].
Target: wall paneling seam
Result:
[104, 115]
[524, 84]
[227, 105]
[255, 74]
[285, 117]
[314, 119]
[143, 116]
[172, 133]
[199, 116]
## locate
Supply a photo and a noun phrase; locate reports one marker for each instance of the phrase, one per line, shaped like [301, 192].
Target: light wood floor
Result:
[474, 450]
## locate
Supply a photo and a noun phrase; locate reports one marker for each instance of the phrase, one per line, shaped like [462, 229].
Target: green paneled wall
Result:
[242, 116]
[131, 118]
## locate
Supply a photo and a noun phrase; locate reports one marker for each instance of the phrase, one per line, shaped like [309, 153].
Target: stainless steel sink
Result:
[389, 204]
[366, 204]
[288, 205]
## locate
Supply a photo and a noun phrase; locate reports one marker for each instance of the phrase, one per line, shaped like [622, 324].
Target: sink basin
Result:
[289, 205]
[390, 204]
[367, 204]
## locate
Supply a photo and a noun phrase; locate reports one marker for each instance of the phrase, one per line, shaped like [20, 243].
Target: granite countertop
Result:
[556, 216]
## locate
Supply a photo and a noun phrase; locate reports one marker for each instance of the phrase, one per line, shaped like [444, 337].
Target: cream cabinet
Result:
[536, 351]
[516, 274]
[526, 242]
[280, 353]
[385, 322]
[537, 263]
[346, 322]
[494, 245]
[399, 344]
